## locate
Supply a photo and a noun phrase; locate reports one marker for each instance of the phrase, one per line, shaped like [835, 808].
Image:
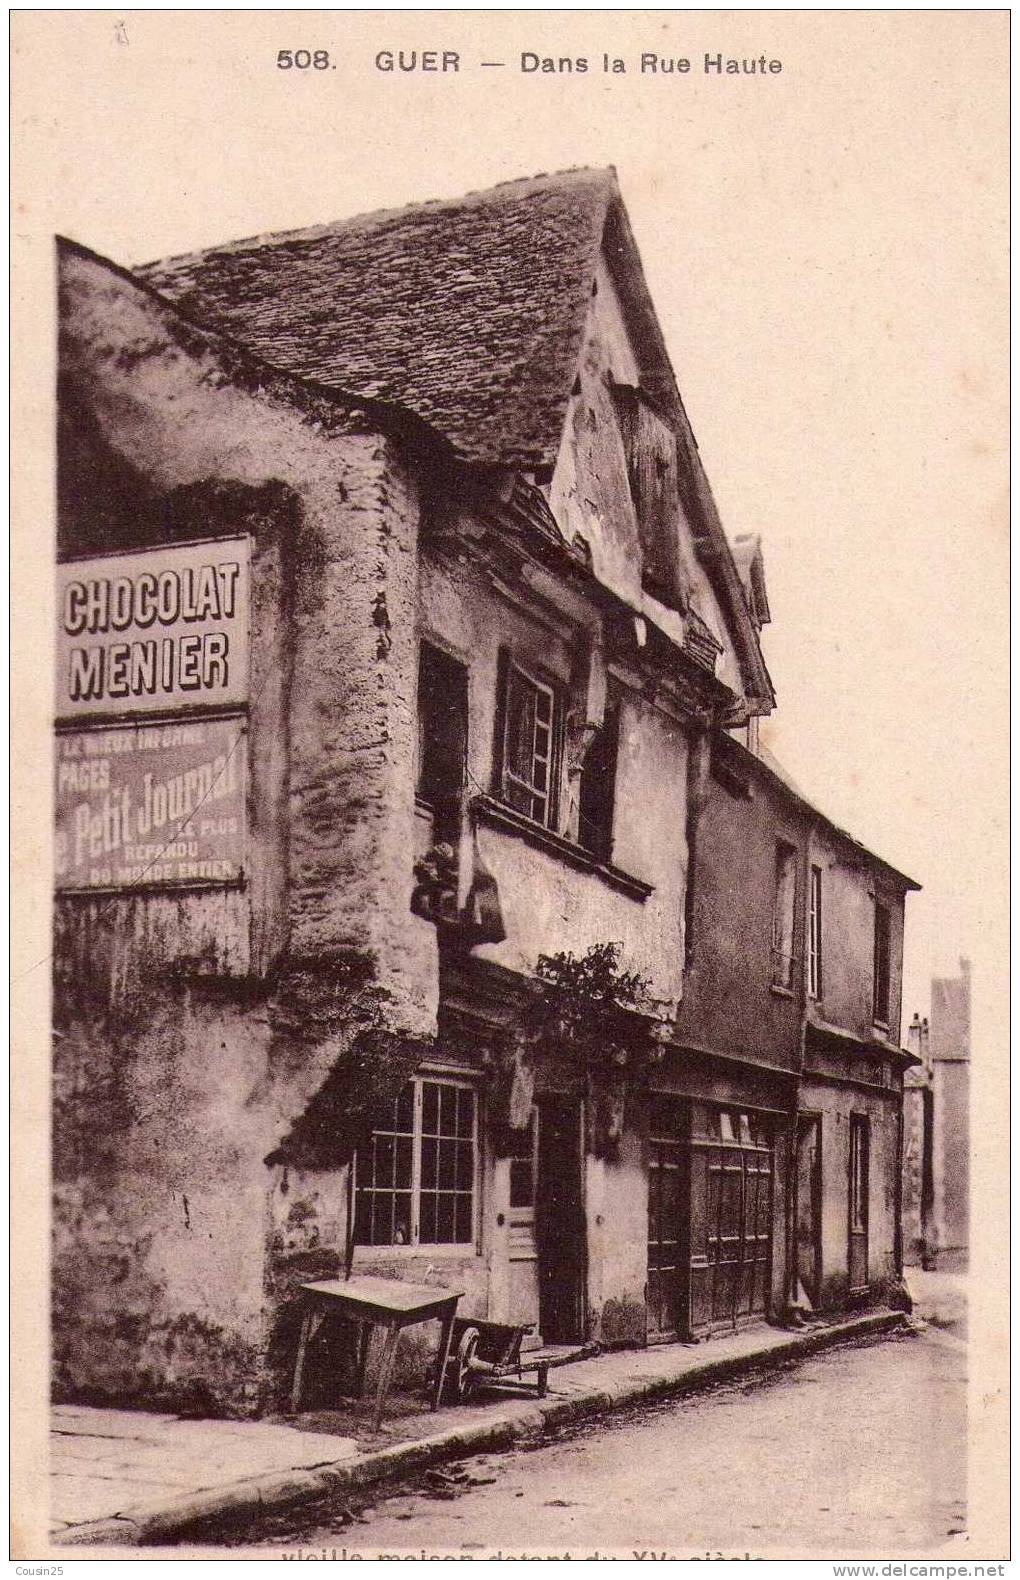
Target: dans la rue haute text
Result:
[530, 63]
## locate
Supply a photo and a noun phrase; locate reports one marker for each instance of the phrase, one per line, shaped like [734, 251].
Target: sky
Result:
[826, 249]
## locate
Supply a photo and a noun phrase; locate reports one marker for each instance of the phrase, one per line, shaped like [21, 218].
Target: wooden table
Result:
[376, 1302]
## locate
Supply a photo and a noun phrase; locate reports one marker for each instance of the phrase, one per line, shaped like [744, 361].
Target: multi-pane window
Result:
[814, 952]
[530, 746]
[416, 1180]
[783, 917]
[881, 972]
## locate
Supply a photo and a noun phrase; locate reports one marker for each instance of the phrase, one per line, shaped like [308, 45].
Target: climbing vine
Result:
[589, 1008]
[587, 1004]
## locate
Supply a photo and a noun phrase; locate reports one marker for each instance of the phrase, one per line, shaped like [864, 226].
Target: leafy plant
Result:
[588, 1003]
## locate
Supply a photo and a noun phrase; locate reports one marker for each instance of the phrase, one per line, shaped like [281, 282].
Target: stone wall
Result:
[182, 1053]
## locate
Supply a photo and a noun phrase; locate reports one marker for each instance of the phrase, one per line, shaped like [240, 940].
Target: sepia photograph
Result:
[509, 578]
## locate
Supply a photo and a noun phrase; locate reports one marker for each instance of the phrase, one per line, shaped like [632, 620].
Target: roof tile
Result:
[470, 313]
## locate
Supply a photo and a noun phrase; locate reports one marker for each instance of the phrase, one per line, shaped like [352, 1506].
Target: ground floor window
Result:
[416, 1180]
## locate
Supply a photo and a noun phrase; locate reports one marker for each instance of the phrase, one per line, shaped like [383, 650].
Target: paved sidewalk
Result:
[126, 1477]
[106, 1461]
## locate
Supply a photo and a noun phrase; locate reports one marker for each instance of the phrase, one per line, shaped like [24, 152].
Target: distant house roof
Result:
[468, 313]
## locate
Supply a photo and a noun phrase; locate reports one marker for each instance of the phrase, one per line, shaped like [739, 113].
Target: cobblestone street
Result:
[858, 1452]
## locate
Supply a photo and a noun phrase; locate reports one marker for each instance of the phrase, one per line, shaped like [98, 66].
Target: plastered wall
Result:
[849, 892]
[176, 1249]
[835, 1106]
[547, 904]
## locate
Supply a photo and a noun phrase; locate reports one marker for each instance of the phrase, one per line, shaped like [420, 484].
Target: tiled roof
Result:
[470, 313]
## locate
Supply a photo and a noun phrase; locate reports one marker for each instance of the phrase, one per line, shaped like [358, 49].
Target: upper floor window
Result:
[442, 738]
[416, 1181]
[531, 744]
[881, 969]
[598, 788]
[814, 952]
[784, 916]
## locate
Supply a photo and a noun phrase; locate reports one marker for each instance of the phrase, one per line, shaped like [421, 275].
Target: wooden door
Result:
[858, 1250]
[522, 1245]
[809, 1208]
[667, 1202]
[560, 1220]
[731, 1163]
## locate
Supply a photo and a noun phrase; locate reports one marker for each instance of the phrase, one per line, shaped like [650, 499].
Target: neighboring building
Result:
[793, 990]
[936, 1171]
[399, 631]
[917, 1191]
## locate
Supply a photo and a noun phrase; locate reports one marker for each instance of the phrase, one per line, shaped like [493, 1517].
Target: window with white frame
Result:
[814, 960]
[530, 745]
[416, 1179]
[783, 916]
[880, 988]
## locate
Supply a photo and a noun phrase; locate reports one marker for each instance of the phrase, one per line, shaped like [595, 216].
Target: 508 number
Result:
[317, 59]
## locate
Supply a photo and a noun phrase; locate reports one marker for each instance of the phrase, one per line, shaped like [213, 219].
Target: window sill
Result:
[782, 992]
[416, 1253]
[504, 817]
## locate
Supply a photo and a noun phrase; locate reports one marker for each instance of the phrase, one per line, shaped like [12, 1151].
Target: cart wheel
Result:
[466, 1350]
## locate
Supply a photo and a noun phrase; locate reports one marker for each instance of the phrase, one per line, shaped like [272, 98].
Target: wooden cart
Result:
[488, 1355]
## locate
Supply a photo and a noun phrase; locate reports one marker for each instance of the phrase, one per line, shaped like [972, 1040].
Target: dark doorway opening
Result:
[442, 739]
[808, 1215]
[859, 1188]
[559, 1220]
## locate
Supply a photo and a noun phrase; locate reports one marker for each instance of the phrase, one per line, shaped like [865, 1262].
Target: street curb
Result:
[233, 1507]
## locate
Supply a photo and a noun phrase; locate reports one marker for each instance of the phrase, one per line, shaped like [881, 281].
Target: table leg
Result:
[364, 1338]
[385, 1370]
[444, 1355]
[299, 1365]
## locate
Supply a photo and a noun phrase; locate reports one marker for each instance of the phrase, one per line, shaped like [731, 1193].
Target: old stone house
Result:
[398, 630]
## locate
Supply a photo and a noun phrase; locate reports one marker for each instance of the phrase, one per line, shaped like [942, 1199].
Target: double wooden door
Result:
[710, 1203]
